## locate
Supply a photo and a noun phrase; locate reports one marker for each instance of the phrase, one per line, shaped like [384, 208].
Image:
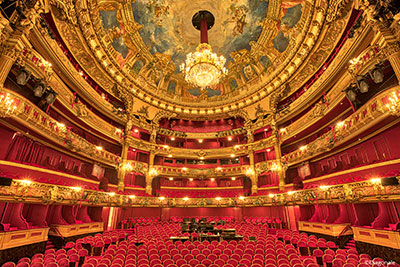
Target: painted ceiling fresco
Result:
[166, 29]
[167, 25]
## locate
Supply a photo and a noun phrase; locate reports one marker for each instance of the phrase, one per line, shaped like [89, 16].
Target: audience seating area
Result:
[149, 246]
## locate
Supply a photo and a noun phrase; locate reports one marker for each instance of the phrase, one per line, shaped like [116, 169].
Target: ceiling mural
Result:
[140, 44]
[167, 25]
[165, 28]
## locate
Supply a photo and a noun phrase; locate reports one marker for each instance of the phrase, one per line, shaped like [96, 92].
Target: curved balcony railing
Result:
[36, 64]
[193, 135]
[382, 106]
[28, 114]
[192, 172]
[339, 62]
[367, 58]
[358, 192]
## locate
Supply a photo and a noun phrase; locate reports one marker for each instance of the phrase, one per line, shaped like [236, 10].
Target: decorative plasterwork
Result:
[197, 172]
[34, 118]
[329, 76]
[359, 192]
[377, 109]
[237, 150]
[32, 61]
[61, 61]
[89, 35]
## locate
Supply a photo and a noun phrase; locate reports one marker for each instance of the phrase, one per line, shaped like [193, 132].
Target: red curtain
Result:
[24, 149]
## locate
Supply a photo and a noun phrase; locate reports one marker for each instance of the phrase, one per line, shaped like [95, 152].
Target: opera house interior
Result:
[151, 133]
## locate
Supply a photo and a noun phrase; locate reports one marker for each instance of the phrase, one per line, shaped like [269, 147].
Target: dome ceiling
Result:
[166, 31]
[140, 44]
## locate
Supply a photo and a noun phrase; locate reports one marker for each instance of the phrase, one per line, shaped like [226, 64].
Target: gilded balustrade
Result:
[15, 106]
[359, 64]
[358, 192]
[35, 63]
[158, 170]
[380, 107]
[135, 166]
[340, 61]
[268, 166]
[58, 57]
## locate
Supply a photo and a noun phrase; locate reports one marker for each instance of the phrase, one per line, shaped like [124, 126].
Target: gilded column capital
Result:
[391, 49]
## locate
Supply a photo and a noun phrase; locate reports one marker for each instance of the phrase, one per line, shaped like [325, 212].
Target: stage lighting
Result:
[23, 77]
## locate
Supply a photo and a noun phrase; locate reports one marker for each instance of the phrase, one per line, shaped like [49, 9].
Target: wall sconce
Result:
[128, 167]
[375, 180]
[153, 172]
[26, 182]
[8, 105]
[250, 171]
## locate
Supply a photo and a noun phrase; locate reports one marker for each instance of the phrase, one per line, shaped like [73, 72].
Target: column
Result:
[11, 50]
[389, 41]
[252, 173]
[122, 168]
[10, 37]
[392, 52]
[281, 172]
[150, 174]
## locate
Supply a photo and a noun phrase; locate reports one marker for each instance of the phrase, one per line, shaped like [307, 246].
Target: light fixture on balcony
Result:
[302, 148]
[153, 172]
[51, 96]
[362, 85]
[377, 74]
[8, 105]
[351, 93]
[23, 77]
[203, 68]
[128, 167]
[393, 105]
[39, 89]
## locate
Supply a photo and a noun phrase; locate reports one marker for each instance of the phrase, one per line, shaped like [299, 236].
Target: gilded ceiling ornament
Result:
[319, 109]
[138, 45]
[143, 111]
[163, 114]
[64, 10]
[240, 113]
[260, 112]
[201, 153]
[335, 9]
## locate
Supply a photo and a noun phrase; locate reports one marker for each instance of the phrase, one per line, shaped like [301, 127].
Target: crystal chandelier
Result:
[203, 68]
